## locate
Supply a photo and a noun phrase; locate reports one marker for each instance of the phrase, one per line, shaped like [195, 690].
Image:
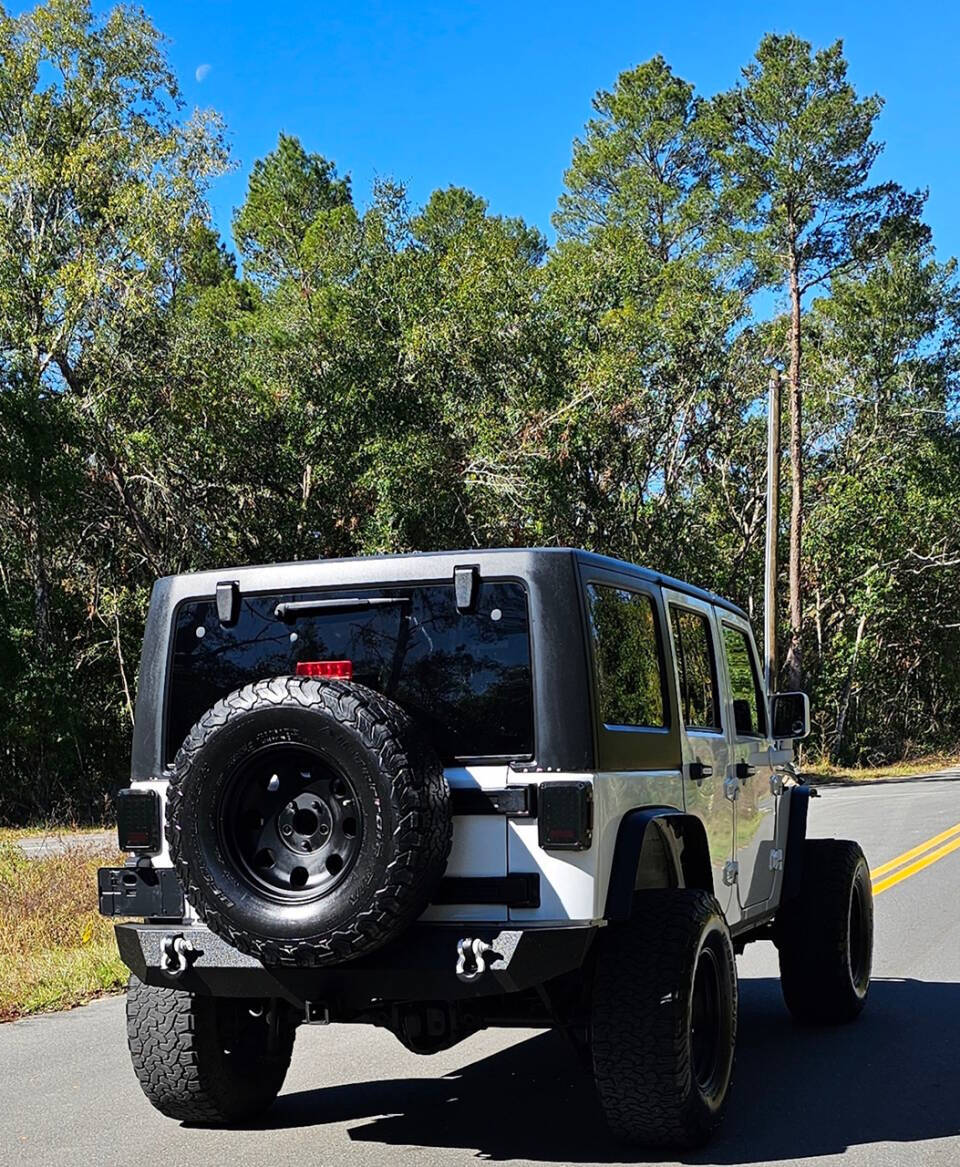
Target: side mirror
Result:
[791, 716]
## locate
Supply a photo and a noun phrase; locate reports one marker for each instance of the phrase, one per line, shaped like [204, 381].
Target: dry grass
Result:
[56, 951]
[926, 764]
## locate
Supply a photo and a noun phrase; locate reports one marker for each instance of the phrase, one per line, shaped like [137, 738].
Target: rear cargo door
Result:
[461, 670]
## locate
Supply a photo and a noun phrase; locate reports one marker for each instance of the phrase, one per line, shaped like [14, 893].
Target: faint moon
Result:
[202, 71]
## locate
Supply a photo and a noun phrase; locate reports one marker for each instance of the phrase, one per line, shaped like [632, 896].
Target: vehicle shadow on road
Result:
[893, 1076]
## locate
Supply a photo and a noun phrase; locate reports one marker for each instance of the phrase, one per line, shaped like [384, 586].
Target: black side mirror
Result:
[791, 716]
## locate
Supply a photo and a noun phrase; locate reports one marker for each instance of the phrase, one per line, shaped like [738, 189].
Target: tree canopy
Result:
[353, 374]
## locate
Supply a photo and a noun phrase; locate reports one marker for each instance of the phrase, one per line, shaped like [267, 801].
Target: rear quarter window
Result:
[465, 677]
[627, 657]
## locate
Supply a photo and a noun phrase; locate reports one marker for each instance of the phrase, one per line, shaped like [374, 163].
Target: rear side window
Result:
[748, 703]
[627, 657]
[696, 669]
[465, 677]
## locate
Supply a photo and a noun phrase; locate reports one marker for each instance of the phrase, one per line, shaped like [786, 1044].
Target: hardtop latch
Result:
[465, 580]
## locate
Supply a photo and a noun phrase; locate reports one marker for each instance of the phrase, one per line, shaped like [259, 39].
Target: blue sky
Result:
[490, 95]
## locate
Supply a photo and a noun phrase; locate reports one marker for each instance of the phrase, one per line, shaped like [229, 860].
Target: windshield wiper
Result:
[290, 611]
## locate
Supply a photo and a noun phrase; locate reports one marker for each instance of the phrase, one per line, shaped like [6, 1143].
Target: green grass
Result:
[926, 764]
[56, 951]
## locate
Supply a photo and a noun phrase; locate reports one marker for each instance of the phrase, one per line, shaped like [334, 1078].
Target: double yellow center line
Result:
[887, 874]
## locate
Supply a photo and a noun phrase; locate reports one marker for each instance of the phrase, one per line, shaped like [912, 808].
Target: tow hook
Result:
[177, 954]
[470, 954]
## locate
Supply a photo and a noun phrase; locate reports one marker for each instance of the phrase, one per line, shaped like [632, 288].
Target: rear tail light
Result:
[138, 822]
[565, 816]
[325, 668]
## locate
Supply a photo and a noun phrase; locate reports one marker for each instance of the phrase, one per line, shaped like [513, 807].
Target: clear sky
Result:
[490, 95]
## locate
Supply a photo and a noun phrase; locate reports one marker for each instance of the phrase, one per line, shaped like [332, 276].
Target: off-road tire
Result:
[393, 768]
[825, 935]
[641, 1031]
[188, 1058]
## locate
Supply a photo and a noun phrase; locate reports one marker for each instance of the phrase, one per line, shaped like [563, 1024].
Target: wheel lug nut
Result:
[324, 829]
[286, 829]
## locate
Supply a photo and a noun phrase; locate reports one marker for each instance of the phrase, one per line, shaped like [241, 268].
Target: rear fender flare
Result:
[685, 840]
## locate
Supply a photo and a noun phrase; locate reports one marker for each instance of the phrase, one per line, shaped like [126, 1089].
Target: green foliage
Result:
[372, 376]
[795, 148]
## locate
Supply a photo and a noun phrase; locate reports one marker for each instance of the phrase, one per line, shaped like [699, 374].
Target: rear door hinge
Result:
[776, 783]
[731, 787]
[776, 859]
[731, 872]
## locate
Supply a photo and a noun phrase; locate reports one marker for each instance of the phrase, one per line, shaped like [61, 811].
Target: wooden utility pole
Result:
[773, 515]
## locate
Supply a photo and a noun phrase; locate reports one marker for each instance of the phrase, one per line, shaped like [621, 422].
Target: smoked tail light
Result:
[139, 828]
[565, 816]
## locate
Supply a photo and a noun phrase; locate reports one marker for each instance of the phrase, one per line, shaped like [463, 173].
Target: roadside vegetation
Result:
[55, 950]
[353, 374]
[823, 771]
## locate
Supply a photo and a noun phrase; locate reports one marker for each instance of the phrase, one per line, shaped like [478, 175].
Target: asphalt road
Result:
[56, 842]
[884, 1091]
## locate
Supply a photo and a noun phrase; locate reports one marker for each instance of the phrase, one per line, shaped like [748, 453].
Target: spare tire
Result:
[308, 820]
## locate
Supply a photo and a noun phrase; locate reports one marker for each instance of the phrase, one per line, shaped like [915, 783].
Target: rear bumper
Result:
[419, 966]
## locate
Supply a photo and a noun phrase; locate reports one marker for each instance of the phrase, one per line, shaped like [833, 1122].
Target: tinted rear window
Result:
[627, 657]
[464, 676]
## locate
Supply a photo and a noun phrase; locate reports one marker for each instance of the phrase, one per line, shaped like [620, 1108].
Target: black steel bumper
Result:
[419, 966]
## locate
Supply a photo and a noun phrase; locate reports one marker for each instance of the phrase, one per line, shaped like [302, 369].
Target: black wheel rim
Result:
[858, 937]
[292, 824]
[706, 1021]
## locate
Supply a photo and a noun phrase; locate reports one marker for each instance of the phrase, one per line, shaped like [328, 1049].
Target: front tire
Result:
[207, 1060]
[825, 935]
[664, 1020]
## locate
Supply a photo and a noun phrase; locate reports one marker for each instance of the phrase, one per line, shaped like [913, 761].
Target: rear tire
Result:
[825, 935]
[207, 1060]
[664, 1020]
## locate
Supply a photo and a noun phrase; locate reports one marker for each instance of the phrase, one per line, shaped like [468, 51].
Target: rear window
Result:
[465, 677]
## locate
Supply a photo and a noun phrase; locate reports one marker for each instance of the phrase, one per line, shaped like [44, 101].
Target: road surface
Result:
[884, 1092]
[55, 842]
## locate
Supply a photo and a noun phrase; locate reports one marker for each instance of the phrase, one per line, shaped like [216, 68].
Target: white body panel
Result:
[573, 884]
[479, 844]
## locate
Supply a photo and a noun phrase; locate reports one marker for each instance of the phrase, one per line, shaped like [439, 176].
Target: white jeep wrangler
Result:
[442, 792]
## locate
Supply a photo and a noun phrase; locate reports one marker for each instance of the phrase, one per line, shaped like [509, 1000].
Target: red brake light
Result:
[325, 668]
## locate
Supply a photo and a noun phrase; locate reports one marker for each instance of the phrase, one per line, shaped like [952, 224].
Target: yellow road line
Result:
[920, 864]
[914, 852]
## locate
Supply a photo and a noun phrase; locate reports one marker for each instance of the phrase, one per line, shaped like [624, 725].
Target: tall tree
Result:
[648, 313]
[883, 545]
[102, 178]
[796, 148]
[288, 192]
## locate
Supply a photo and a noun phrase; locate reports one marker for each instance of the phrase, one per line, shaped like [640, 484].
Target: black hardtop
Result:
[564, 730]
[423, 565]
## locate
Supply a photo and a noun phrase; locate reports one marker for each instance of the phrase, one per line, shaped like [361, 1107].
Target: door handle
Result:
[700, 770]
[745, 770]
